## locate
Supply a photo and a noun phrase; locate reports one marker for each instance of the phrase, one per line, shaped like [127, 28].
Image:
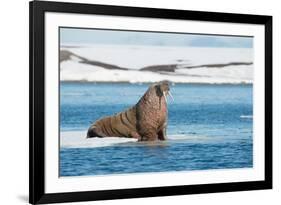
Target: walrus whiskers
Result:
[169, 93]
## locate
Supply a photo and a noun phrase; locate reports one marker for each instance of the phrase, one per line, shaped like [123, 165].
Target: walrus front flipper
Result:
[161, 134]
[149, 134]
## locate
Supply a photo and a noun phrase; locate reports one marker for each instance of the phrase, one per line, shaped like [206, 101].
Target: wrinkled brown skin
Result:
[145, 121]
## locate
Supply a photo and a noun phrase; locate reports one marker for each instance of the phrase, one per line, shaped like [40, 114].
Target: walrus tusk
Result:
[169, 93]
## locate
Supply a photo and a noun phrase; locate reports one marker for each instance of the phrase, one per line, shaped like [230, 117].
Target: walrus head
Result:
[163, 89]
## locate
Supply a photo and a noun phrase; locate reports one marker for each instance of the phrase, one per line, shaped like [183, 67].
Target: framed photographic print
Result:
[140, 102]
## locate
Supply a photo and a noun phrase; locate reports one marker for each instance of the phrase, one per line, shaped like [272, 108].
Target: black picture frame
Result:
[37, 9]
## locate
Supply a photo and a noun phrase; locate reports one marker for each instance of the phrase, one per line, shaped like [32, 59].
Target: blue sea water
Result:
[211, 127]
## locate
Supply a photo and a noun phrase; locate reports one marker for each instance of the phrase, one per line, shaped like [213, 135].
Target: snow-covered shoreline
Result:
[146, 64]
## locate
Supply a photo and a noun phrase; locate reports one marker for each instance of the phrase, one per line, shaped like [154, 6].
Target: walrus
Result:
[145, 121]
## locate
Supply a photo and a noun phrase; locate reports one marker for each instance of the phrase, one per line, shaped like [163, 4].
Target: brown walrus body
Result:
[146, 121]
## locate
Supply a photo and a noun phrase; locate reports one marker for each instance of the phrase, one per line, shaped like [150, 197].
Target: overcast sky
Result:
[69, 36]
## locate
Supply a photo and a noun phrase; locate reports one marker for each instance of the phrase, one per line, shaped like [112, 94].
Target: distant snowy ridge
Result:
[137, 64]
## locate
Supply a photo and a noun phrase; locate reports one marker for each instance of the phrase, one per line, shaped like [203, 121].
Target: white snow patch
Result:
[77, 139]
